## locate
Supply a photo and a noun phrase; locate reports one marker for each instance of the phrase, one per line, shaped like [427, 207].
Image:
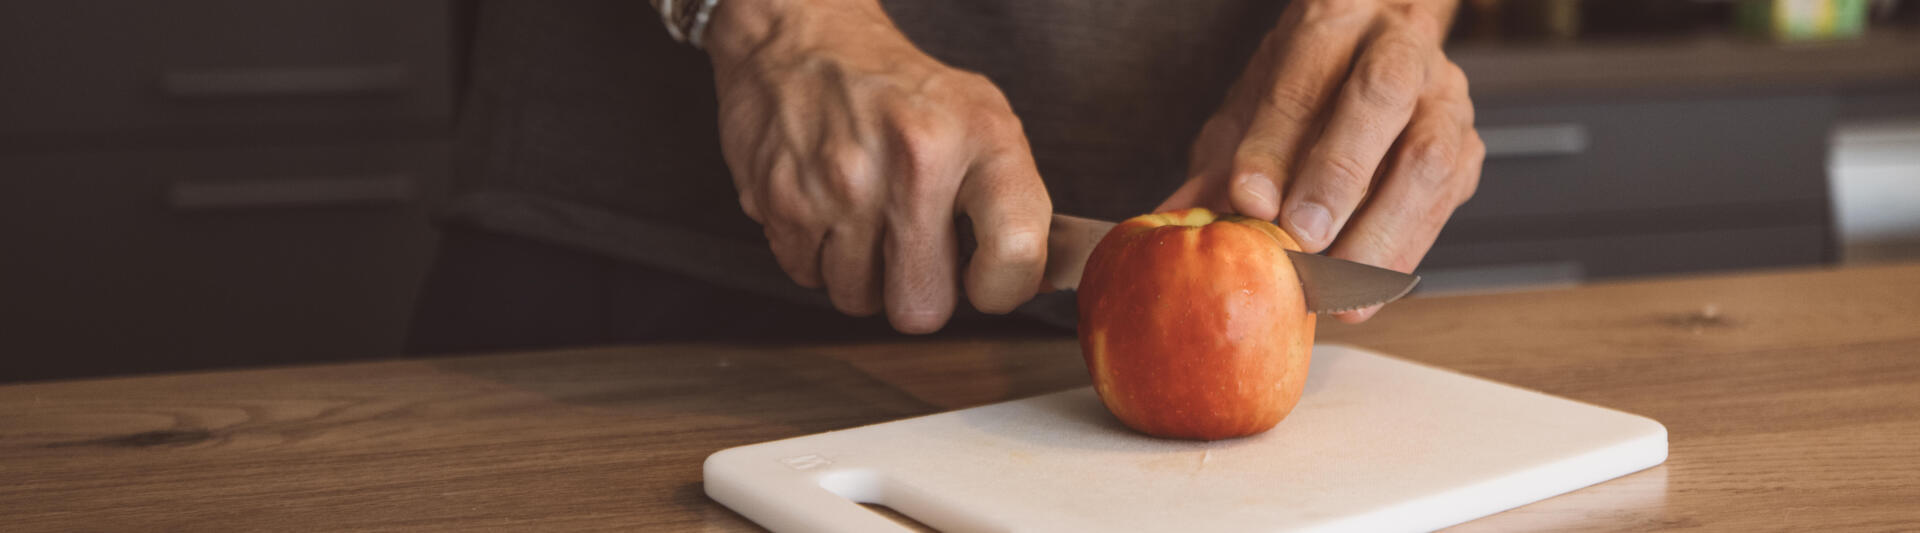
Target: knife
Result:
[1330, 285]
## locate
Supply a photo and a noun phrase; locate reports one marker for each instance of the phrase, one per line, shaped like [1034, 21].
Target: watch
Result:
[686, 20]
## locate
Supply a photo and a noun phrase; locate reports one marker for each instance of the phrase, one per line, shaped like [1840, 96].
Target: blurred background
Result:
[203, 183]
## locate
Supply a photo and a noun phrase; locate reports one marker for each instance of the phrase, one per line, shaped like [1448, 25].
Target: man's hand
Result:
[855, 151]
[1348, 106]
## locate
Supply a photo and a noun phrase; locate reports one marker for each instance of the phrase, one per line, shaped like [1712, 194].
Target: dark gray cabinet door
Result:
[1649, 186]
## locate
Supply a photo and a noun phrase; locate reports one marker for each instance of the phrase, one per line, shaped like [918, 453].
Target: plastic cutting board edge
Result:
[1376, 444]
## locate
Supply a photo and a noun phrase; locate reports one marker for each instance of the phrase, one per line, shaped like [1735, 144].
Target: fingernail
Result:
[1258, 191]
[1310, 221]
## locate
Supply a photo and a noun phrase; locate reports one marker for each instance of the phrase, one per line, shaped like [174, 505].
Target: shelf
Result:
[1710, 62]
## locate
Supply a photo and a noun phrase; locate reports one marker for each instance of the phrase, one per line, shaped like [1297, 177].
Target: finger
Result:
[919, 253]
[1373, 110]
[1313, 60]
[1209, 164]
[919, 249]
[798, 252]
[1202, 191]
[1433, 171]
[790, 226]
[850, 266]
[1433, 168]
[852, 193]
[1008, 205]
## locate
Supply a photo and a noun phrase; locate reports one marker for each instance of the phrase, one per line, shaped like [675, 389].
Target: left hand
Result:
[1348, 107]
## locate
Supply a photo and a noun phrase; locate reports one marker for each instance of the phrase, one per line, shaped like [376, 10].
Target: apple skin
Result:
[1194, 325]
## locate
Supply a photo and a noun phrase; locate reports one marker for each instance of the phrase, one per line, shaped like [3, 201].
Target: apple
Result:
[1194, 326]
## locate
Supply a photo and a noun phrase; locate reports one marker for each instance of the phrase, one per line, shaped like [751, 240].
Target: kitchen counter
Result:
[1792, 401]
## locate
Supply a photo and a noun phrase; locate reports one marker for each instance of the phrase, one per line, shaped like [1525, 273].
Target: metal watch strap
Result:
[686, 20]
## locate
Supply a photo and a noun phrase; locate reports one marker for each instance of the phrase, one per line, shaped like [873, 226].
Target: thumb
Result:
[1010, 211]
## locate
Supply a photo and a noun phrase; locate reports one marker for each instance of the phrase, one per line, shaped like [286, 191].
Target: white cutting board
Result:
[1376, 444]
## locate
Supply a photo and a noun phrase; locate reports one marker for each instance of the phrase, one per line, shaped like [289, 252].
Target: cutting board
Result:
[1376, 444]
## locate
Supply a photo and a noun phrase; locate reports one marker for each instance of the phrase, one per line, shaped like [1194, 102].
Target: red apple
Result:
[1193, 324]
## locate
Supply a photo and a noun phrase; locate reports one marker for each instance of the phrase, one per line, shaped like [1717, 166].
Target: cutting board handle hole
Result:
[912, 509]
[899, 518]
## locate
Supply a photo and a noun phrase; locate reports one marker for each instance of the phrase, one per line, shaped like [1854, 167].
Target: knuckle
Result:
[1345, 172]
[849, 175]
[1388, 79]
[979, 84]
[1456, 77]
[1332, 10]
[919, 163]
[919, 139]
[1381, 242]
[1020, 248]
[1002, 126]
[1432, 159]
[1292, 103]
[1256, 158]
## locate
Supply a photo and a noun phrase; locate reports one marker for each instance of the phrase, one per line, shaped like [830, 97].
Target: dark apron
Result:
[583, 127]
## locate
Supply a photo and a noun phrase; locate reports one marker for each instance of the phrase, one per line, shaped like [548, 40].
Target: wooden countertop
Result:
[1792, 399]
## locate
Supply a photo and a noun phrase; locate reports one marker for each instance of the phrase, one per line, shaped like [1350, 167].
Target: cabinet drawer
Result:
[85, 68]
[1597, 157]
[264, 259]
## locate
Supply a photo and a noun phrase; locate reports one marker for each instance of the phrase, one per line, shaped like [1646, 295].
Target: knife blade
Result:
[751, 268]
[1330, 285]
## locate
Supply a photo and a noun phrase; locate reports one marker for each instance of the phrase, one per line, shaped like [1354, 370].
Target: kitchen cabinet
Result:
[1617, 187]
[83, 72]
[215, 182]
[1613, 159]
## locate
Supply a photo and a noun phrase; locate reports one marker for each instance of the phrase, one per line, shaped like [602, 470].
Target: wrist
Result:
[739, 26]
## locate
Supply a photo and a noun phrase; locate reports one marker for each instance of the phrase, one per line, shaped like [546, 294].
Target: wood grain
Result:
[1792, 398]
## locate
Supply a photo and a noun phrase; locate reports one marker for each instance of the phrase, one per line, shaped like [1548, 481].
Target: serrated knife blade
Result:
[1330, 285]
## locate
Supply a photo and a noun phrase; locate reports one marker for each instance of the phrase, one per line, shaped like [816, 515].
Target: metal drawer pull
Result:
[1534, 141]
[285, 81]
[290, 193]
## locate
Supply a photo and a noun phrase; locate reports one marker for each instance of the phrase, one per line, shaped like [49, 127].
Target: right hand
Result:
[855, 151]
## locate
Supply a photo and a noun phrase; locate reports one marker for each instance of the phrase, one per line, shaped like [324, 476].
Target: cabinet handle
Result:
[290, 193]
[285, 81]
[1535, 141]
